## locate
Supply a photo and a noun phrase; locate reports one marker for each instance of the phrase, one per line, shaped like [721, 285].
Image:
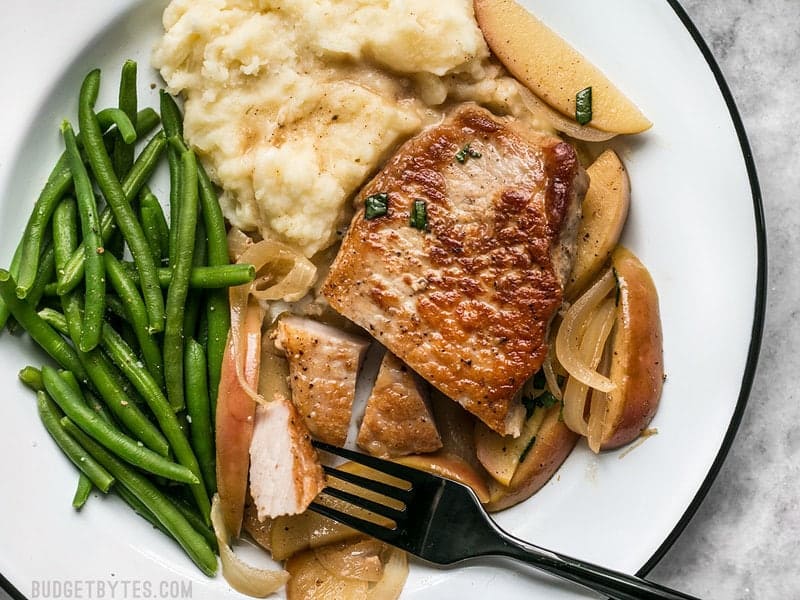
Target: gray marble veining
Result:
[744, 541]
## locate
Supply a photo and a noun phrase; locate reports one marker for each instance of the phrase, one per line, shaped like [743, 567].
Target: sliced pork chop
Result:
[466, 297]
[285, 474]
[323, 367]
[397, 420]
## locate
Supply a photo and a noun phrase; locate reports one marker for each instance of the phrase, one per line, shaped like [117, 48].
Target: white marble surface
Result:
[743, 542]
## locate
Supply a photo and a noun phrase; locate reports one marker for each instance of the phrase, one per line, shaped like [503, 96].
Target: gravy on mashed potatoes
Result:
[293, 104]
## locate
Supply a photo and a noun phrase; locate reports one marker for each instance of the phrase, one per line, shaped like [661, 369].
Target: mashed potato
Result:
[292, 105]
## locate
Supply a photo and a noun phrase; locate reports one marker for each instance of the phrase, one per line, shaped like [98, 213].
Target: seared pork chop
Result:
[397, 420]
[285, 475]
[323, 366]
[464, 294]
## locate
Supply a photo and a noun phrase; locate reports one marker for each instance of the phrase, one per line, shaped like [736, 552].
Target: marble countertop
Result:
[743, 541]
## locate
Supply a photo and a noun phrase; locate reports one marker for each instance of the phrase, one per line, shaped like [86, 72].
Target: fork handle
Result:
[619, 586]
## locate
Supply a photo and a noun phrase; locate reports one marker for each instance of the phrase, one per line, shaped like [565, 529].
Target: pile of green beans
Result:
[137, 345]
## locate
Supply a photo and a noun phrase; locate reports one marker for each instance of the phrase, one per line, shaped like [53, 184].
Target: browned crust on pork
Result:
[468, 302]
[397, 420]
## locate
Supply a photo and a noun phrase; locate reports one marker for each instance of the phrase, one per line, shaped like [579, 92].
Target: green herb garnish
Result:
[527, 449]
[467, 152]
[376, 206]
[543, 400]
[583, 106]
[419, 215]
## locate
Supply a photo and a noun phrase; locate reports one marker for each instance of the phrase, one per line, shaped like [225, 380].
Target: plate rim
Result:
[759, 313]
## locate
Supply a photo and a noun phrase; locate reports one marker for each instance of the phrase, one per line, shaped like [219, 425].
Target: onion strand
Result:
[570, 334]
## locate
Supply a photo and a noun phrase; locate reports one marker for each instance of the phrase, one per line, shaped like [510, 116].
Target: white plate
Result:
[695, 222]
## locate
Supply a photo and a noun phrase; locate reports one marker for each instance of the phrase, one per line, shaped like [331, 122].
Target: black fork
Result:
[443, 522]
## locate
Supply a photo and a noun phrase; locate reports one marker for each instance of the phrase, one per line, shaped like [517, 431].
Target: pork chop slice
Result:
[285, 474]
[465, 293]
[323, 367]
[397, 420]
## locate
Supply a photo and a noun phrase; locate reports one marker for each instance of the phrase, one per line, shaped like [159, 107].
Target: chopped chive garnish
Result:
[583, 106]
[376, 205]
[419, 215]
[467, 152]
[527, 449]
[544, 400]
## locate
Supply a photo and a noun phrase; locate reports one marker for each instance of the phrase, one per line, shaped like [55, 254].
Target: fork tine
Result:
[361, 502]
[386, 466]
[384, 489]
[390, 536]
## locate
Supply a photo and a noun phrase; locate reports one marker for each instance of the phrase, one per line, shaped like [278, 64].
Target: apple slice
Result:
[605, 210]
[636, 355]
[500, 454]
[552, 69]
[554, 442]
[448, 466]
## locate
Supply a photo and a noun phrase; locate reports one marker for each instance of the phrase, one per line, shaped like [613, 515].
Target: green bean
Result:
[179, 286]
[45, 274]
[42, 333]
[126, 130]
[117, 308]
[196, 521]
[116, 198]
[214, 220]
[56, 186]
[128, 103]
[195, 300]
[154, 500]
[217, 308]
[58, 182]
[140, 509]
[155, 225]
[136, 178]
[65, 232]
[32, 377]
[199, 410]
[123, 446]
[82, 492]
[147, 119]
[95, 279]
[143, 381]
[14, 270]
[112, 388]
[137, 313]
[205, 278]
[173, 127]
[219, 323]
[65, 238]
[75, 452]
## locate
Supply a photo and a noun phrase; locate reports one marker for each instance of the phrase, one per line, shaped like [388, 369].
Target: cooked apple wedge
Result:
[500, 454]
[636, 355]
[552, 69]
[553, 443]
[449, 466]
[605, 209]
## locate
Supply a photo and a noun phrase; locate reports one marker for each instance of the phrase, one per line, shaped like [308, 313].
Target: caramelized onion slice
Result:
[570, 334]
[282, 273]
[591, 351]
[360, 559]
[395, 573]
[248, 580]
